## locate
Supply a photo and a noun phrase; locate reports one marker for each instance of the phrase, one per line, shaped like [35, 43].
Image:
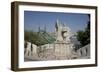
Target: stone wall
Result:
[30, 50]
[84, 52]
[55, 51]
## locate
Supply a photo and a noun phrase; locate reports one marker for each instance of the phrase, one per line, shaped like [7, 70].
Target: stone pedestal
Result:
[63, 50]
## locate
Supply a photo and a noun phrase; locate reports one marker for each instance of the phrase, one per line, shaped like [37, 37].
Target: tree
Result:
[84, 36]
[26, 35]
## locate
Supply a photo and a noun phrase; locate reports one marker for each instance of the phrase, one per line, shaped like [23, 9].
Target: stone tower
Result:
[63, 46]
[62, 32]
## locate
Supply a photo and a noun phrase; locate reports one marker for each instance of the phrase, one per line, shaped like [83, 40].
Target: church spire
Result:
[39, 28]
[57, 23]
[45, 27]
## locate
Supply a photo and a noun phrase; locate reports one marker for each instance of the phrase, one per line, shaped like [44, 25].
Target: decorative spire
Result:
[39, 28]
[57, 23]
[45, 27]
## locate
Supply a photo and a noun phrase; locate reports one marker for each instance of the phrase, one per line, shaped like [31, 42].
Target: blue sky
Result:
[34, 19]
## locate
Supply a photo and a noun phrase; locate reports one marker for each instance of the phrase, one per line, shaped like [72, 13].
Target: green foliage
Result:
[84, 36]
[27, 35]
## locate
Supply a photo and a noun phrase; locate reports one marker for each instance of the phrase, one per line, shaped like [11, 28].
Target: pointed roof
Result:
[57, 23]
